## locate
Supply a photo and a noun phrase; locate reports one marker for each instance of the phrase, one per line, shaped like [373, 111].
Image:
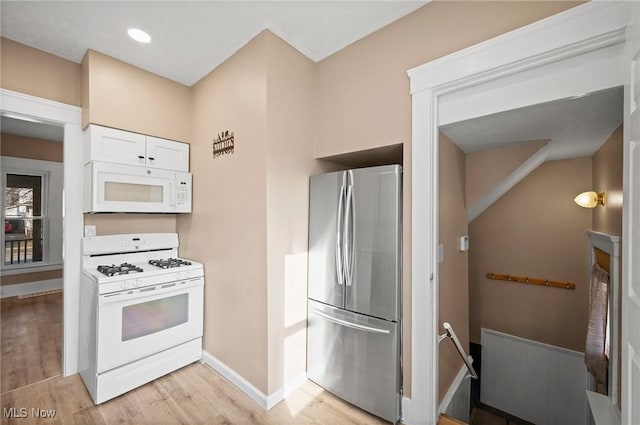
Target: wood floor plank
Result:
[31, 340]
[193, 395]
[31, 348]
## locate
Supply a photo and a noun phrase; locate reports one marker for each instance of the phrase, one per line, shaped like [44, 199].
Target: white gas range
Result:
[141, 311]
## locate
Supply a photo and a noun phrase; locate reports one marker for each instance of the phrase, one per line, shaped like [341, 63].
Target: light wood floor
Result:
[30, 340]
[192, 395]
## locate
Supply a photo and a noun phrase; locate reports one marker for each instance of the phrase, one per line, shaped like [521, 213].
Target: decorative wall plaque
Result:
[223, 144]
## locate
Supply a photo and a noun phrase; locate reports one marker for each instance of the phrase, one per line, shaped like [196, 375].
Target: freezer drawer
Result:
[355, 357]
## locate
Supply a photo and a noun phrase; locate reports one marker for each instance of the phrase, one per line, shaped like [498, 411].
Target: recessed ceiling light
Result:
[139, 35]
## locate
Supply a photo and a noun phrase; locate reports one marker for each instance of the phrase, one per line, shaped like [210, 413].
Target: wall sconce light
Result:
[590, 199]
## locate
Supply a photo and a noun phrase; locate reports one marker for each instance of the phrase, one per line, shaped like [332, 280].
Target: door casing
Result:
[528, 58]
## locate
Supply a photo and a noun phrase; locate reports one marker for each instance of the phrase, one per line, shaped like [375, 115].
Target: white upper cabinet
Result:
[124, 147]
[167, 154]
[111, 145]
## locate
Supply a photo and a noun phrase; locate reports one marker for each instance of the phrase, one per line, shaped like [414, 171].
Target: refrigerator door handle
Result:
[351, 324]
[349, 236]
[339, 239]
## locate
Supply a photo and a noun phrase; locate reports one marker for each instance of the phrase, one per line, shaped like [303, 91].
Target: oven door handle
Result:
[148, 291]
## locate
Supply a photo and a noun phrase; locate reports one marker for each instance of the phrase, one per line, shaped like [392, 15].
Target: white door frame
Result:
[471, 83]
[19, 105]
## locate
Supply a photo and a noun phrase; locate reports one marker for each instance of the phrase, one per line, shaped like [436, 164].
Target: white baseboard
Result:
[407, 413]
[30, 287]
[285, 390]
[264, 401]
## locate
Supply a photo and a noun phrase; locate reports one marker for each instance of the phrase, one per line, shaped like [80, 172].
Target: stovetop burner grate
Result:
[124, 268]
[169, 263]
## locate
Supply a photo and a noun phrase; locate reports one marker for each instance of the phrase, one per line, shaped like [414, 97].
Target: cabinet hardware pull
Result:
[140, 156]
[152, 158]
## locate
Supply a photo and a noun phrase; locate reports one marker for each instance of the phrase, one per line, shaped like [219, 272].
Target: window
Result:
[32, 215]
[25, 221]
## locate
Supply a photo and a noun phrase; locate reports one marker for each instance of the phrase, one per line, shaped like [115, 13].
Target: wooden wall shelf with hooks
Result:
[532, 280]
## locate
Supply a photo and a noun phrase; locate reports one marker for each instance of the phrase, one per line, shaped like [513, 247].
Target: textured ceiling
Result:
[38, 130]
[190, 38]
[575, 127]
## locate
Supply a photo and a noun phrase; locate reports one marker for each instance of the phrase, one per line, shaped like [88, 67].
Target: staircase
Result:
[481, 414]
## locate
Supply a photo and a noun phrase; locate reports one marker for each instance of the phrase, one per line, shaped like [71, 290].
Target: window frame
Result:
[48, 171]
[44, 211]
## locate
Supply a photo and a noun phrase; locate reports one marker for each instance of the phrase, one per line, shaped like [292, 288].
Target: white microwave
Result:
[113, 188]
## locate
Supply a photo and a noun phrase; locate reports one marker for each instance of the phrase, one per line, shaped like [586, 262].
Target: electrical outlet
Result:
[440, 253]
[89, 230]
[464, 243]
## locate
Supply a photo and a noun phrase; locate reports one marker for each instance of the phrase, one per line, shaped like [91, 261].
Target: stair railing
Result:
[451, 334]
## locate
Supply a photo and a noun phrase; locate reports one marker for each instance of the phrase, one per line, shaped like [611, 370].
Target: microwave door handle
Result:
[172, 193]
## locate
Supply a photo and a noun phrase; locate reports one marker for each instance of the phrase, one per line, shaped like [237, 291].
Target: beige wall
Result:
[253, 204]
[534, 230]
[363, 96]
[362, 91]
[116, 94]
[227, 230]
[361, 101]
[111, 224]
[607, 177]
[30, 147]
[453, 278]
[485, 169]
[289, 164]
[31, 71]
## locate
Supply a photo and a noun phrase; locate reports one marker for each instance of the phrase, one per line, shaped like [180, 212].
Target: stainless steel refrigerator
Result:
[355, 275]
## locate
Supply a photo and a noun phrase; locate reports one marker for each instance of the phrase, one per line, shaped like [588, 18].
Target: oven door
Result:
[140, 322]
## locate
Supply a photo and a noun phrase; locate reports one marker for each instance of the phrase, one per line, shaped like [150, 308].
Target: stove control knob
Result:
[176, 276]
[184, 275]
[126, 284]
[136, 283]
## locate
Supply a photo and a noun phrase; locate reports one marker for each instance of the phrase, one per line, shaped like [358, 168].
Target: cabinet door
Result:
[167, 154]
[111, 145]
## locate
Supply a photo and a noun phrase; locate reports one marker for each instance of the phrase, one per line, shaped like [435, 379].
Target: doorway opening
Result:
[32, 265]
[567, 55]
[27, 110]
[531, 234]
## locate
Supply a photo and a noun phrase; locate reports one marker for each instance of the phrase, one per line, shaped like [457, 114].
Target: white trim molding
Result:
[611, 245]
[19, 105]
[487, 67]
[29, 288]
[406, 411]
[499, 190]
[263, 400]
[31, 269]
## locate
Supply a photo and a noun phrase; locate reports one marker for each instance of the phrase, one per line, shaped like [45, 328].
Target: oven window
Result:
[154, 316]
[130, 192]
